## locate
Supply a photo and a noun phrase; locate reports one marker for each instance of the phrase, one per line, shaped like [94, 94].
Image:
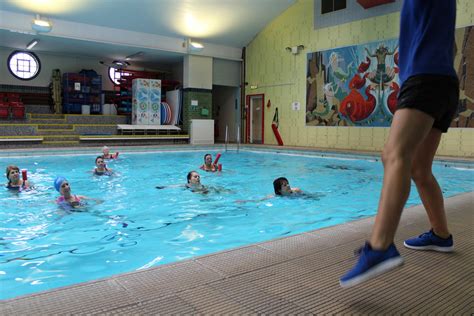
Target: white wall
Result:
[197, 72]
[71, 64]
[227, 99]
[50, 62]
[226, 72]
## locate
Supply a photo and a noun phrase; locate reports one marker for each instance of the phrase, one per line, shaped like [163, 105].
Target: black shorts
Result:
[436, 95]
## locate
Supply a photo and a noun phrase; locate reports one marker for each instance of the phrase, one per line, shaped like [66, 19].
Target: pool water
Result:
[43, 246]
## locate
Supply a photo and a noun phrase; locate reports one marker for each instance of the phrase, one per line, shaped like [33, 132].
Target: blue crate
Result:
[70, 108]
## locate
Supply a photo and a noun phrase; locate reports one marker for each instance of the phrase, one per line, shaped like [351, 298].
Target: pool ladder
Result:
[237, 137]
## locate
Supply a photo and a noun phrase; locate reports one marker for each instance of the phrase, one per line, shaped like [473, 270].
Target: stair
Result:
[46, 116]
[61, 143]
[60, 138]
[56, 127]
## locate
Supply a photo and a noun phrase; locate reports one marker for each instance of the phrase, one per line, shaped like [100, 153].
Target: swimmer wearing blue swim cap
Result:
[57, 183]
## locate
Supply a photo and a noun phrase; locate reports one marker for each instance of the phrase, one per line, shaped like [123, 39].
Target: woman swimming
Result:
[107, 155]
[101, 168]
[67, 199]
[14, 181]
[194, 182]
[208, 165]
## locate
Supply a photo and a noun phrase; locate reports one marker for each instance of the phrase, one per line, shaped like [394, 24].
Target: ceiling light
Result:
[194, 46]
[41, 25]
[121, 63]
[32, 44]
[129, 57]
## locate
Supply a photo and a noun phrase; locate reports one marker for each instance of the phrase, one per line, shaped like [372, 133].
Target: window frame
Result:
[33, 56]
[333, 9]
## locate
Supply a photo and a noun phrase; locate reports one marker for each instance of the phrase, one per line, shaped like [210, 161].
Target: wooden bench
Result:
[125, 129]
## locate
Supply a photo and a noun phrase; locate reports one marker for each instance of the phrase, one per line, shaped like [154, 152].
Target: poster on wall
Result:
[358, 85]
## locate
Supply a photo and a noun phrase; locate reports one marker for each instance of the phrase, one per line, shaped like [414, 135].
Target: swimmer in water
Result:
[14, 181]
[101, 168]
[208, 165]
[67, 198]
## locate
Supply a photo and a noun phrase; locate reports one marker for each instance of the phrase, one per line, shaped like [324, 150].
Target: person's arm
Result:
[270, 196]
[394, 50]
[368, 53]
[83, 197]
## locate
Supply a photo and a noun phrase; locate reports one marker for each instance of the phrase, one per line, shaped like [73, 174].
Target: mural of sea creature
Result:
[357, 81]
[337, 71]
[364, 66]
[355, 107]
[383, 74]
[392, 98]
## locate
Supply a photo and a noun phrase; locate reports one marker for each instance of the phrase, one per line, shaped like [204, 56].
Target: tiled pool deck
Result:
[293, 275]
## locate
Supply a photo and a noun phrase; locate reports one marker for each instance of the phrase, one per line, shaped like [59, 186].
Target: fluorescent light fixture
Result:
[194, 46]
[32, 44]
[121, 63]
[41, 25]
[138, 54]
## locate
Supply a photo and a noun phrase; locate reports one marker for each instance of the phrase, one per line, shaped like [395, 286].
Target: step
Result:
[49, 138]
[38, 108]
[45, 132]
[47, 116]
[46, 121]
[69, 127]
[61, 143]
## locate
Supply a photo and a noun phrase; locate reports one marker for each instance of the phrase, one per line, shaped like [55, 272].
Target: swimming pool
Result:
[137, 226]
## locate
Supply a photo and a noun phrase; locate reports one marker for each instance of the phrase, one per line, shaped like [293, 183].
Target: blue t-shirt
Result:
[427, 38]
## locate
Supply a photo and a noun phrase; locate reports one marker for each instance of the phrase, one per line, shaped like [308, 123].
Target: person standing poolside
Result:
[427, 103]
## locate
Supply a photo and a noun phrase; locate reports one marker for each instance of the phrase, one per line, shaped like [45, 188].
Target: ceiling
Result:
[113, 29]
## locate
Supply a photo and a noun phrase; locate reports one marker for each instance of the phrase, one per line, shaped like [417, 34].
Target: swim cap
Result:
[57, 183]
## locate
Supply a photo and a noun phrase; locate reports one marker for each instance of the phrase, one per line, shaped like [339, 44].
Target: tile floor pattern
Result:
[292, 275]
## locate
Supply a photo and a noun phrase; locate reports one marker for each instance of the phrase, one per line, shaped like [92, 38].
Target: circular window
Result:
[24, 65]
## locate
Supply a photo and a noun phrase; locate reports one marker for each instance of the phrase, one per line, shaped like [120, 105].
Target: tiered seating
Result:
[11, 106]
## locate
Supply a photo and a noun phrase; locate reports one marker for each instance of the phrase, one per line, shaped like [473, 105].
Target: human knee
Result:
[392, 155]
[421, 174]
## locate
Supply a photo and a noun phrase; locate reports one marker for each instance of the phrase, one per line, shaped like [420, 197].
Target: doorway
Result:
[255, 118]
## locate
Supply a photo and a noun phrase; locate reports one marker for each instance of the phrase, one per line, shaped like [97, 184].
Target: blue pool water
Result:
[138, 226]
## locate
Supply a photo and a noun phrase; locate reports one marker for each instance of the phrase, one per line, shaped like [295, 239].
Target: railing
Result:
[237, 138]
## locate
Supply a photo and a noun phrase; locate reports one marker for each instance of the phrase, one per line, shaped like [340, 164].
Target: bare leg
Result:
[426, 184]
[409, 129]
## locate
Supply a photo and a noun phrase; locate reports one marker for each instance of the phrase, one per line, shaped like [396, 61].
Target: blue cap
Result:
[57, 183]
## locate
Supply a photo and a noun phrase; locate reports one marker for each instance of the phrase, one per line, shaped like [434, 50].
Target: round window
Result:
[24, 65]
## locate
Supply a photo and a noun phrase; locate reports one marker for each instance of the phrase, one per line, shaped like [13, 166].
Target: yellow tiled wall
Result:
[280, 75]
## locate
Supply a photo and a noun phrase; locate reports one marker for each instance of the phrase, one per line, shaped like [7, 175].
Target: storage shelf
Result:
[82, 89]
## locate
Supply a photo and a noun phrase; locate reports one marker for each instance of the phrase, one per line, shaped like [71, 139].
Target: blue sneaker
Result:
[429, 241]
[371, 264]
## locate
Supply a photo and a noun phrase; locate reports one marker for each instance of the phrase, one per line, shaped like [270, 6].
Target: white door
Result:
[256, 116]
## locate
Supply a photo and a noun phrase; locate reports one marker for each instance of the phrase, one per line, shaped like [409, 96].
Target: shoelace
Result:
[424, 235]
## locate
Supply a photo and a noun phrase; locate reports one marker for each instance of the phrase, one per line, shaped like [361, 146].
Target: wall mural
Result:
[358, 85]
